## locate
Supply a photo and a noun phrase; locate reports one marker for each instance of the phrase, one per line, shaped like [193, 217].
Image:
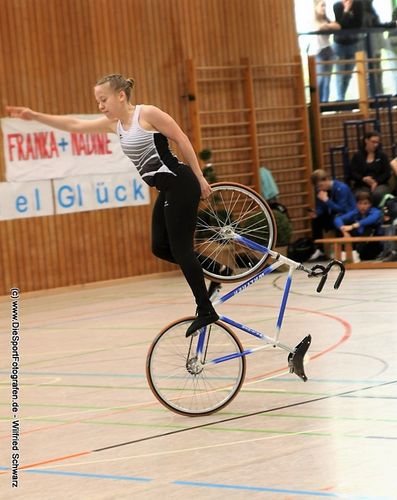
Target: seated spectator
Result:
[332, 198]
[364, 220]
[370, 168]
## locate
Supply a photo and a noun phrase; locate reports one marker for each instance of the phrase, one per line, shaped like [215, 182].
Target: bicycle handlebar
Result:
[319, 270]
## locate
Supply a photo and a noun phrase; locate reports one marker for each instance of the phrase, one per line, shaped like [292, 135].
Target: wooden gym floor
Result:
[90, 427]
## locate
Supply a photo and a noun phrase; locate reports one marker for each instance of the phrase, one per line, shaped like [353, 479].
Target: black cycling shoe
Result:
[201, 321]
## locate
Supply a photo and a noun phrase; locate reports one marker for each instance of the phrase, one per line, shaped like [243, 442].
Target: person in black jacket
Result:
[370, 168]
[349, 15]
[376, 42]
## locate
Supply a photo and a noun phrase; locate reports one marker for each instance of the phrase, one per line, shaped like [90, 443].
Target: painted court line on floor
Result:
[214, 486]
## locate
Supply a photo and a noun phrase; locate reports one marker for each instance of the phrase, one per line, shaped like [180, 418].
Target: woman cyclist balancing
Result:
[144, 131]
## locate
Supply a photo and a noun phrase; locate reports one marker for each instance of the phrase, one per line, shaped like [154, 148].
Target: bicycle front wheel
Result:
[233, 209]
[181, 372]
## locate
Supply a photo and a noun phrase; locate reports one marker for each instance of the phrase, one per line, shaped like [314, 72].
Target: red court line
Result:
[51, 460]
[347, 334]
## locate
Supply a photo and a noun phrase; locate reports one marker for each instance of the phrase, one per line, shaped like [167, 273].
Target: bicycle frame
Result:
[317, 270]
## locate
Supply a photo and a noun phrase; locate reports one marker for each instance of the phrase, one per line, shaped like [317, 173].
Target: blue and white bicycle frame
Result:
[295, 358]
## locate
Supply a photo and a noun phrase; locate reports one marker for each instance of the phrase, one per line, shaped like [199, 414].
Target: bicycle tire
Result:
[169, 364]
[232, 206]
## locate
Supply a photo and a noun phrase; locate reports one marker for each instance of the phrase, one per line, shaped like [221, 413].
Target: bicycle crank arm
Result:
[295, 359]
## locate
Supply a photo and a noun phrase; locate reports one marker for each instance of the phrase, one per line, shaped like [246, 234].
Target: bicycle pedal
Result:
[214, 290]
[295, 359]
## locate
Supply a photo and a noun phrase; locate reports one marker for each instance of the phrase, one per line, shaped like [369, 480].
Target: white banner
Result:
[25, 199]
[72, 194]
[34, 151]
[78, 194]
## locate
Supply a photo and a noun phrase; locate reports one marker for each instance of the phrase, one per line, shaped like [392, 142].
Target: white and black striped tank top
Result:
[148, 150]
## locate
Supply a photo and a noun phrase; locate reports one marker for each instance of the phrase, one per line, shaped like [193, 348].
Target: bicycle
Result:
[202, 374]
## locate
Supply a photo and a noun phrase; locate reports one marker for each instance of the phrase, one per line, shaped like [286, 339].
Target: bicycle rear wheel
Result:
[233, 208]
[187, 382]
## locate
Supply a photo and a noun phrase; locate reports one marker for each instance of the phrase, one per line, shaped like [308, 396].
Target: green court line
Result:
[224, 413]
[139, 388]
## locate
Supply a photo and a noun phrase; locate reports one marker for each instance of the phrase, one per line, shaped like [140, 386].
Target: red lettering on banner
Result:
[12, 145]
[54, 147]
[40, 141]
[30, 154]
[89, 144]
[34, 146]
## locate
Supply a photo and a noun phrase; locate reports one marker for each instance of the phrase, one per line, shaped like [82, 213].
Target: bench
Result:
[348, 244]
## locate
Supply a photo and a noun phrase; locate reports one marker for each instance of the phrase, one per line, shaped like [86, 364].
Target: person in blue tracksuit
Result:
[333, 197]
[364, 220]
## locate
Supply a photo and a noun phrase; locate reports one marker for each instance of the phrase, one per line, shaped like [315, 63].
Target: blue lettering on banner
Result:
[21, 203]
[137, 190]
[105, 198]
[25, 199]
[74, 194]
[37, 199]
[70, 198]
[116, 193]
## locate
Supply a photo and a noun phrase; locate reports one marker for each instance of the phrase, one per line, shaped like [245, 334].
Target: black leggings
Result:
[173, 225]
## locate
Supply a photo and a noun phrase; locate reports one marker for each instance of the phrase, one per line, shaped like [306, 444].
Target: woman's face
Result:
[372, 143]
[320, 8]
[110, 103]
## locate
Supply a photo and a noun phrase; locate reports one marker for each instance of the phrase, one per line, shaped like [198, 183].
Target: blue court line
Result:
[280, 490]
[89, 475]
[238, 487]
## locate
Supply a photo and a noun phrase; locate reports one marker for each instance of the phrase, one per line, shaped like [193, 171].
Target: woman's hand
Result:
[20, 112]
[368, 180]
[64, 122]
[205, 188]
[371, 182]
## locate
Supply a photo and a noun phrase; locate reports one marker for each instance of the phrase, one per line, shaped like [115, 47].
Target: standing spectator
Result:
[370, 168]
[364, 220]
[374, 47]
[392, 40]
[320, 46]
[332, 198]
[349, 15]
